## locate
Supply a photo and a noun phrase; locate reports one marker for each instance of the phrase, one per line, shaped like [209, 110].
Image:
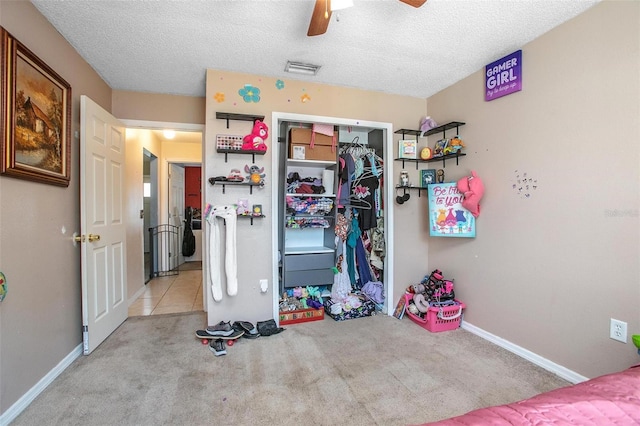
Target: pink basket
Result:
[435, 320]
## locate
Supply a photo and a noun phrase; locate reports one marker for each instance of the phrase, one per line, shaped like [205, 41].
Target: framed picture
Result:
[407, 149]
[427, 176]
[447, 217]
[36, 117]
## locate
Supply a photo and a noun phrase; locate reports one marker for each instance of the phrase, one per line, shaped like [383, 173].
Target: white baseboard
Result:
[26, 399]
[138, 294]
[548, 365]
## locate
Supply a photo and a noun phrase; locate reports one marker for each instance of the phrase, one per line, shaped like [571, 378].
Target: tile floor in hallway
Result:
[171, 294]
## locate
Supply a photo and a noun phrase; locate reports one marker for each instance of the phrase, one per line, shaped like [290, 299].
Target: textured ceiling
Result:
[166, 46]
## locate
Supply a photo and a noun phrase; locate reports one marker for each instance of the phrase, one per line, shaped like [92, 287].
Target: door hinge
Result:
[85, 340]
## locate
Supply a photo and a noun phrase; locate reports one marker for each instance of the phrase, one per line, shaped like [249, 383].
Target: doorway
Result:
[383, 143]
[148, 181]
[149, 205]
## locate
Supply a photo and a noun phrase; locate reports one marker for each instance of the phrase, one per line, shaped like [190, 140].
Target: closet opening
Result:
[333, 213]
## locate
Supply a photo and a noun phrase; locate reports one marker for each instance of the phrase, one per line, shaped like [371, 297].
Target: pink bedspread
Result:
[613, 399]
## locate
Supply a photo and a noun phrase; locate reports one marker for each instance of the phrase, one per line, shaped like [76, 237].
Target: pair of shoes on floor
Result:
[250, 332]
[218, 347]
[222, 329]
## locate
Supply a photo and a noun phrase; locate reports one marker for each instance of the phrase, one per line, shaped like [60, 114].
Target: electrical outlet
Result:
[618, 330]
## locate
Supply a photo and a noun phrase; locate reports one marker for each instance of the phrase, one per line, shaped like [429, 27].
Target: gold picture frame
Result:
[36, 117]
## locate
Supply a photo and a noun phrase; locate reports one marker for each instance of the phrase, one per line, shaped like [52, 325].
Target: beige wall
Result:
[37, 221]
[137, 141]
[255, 242]
[548, 272]
[157, 107]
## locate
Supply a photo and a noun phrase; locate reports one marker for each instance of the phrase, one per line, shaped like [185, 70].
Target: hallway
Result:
[171, 294]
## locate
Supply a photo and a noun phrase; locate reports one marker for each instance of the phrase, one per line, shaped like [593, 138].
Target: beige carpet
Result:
[377, 370]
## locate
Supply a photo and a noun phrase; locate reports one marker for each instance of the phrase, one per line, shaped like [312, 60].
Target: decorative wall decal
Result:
[305, 98]
[219, 97]
[279, 84]
[250, 93]
[524, 185]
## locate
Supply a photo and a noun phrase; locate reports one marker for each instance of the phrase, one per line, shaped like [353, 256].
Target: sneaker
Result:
[218, 347]
[220, 329]
[250, 332]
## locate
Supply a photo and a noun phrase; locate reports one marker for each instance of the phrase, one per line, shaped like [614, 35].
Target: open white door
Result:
[176, 208]
[103, 231]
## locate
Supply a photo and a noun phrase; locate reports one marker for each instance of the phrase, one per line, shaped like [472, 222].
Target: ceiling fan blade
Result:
[414, 3]
[320, 18]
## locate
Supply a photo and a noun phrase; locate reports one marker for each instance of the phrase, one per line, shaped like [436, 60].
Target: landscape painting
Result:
[35, 117]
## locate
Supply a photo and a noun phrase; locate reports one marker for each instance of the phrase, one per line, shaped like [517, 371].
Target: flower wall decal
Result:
[219, 97]
[305, 98]
[279, 84]
[250, 93]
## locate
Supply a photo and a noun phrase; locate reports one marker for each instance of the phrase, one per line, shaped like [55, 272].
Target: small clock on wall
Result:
[425, 153]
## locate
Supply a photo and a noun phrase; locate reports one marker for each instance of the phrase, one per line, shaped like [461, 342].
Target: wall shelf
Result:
[439, 129]
[224, 183]
[238, 117]
[252, 152]
[409, 188]
[250, 216]
[442, 158]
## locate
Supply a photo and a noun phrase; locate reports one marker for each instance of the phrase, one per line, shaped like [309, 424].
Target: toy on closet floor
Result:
[433, 288]
[255, 175]
[255, 140]
[301, 298]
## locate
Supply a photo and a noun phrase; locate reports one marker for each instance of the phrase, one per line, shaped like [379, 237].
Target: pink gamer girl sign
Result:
[447, 217]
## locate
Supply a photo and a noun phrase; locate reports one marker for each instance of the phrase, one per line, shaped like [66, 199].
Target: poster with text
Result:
[447, 217]
[503, 76]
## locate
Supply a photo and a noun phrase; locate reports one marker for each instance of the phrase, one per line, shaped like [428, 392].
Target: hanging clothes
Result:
[229, 216]
[364, 272]
[346, 171]
[341, 285]
[352, 241]
[363, 191]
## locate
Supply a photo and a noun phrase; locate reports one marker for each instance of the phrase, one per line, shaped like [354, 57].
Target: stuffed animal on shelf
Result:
[427, 124]
[255, 140]
[473, 189]
[255, 176]
[454, 146]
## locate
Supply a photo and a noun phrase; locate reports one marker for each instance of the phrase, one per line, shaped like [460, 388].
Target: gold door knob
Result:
[94, 237]
[79, 239]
